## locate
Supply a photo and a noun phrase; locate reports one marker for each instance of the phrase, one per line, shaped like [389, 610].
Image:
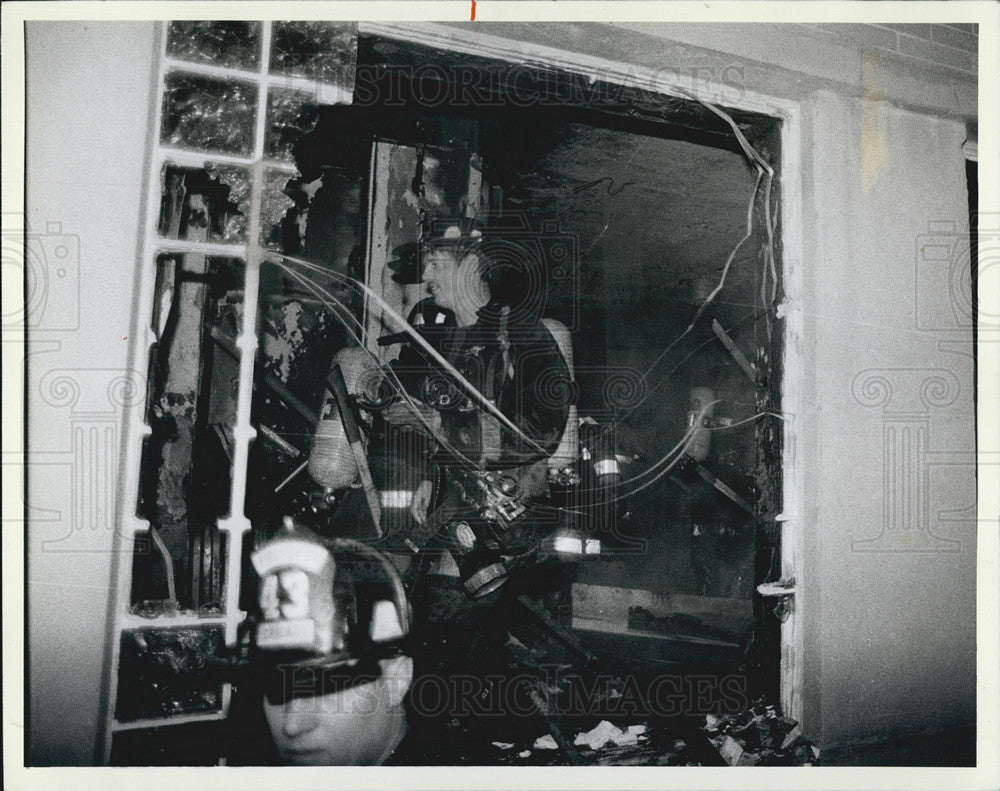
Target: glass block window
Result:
[290, 115]
[162, 672]
[276, 203]
[234, 97]
[226, 43]
[208, 114]
[210, 203]
[320, 51]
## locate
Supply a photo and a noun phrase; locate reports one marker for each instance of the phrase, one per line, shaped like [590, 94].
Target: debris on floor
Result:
[606, 733]
[546, 742]
[759, 737]
[731, 750]
[575, 708]
[606, 744]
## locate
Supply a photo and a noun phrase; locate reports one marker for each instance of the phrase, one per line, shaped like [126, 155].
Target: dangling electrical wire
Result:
[706, 303]
[326, 296]
[687, 440]
[668, 461]
[405, 327]
[359, 339]
[765, 173]
[395, 383]
[763, 166]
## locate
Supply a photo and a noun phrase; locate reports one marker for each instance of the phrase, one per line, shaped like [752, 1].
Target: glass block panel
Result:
[208, 114]
[186, 466]
[227, 315]
[149, 589]
[197, 560]
[223, 43]
[321, 51]
[236, 204]
[278, 210]
[290, 115]
[162, 672]
[209, 204]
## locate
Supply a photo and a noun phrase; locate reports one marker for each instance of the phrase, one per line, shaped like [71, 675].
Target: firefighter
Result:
[493, 442]
[331, 649]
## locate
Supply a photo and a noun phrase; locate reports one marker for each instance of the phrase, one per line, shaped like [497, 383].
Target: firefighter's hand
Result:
[421, 502]
[412, 413]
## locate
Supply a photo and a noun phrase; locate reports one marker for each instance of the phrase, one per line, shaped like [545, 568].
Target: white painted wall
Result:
[87, 123]
[888, 445]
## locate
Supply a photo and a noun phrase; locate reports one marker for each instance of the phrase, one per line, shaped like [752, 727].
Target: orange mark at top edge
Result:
[473, 19]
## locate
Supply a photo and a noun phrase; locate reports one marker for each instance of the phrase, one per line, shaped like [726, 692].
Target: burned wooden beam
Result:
[336, 385]
[229, 346]
[735, 351]
[719, 486]
[564, 635]
[540, 698]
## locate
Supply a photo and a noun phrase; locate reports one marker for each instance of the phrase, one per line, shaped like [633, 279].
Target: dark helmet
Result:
[458, 233]
[511, 260]
[328, 610]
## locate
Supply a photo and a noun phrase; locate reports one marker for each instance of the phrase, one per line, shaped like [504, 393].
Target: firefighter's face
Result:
[357, 726]
[455, 283]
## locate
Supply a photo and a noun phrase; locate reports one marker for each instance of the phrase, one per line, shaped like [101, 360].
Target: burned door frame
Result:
[394, 222]
[786, 511]
[260, 167]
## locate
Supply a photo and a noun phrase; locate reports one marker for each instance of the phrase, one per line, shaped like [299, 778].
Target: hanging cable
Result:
[390, 374]
[405, 327]
[765, 173]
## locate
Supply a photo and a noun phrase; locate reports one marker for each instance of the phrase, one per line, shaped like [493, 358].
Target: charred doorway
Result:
[654, 221]
[669, 290]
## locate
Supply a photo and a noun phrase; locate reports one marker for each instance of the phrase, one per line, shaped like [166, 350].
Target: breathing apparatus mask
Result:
[329, 610]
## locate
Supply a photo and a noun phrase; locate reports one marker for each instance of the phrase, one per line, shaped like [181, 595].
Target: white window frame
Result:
[137, 430]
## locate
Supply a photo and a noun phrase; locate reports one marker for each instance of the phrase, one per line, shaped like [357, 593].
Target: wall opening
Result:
[653, 226]
[657, 237]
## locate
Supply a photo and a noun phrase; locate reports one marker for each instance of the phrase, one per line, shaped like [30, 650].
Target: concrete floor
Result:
[951, 748]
